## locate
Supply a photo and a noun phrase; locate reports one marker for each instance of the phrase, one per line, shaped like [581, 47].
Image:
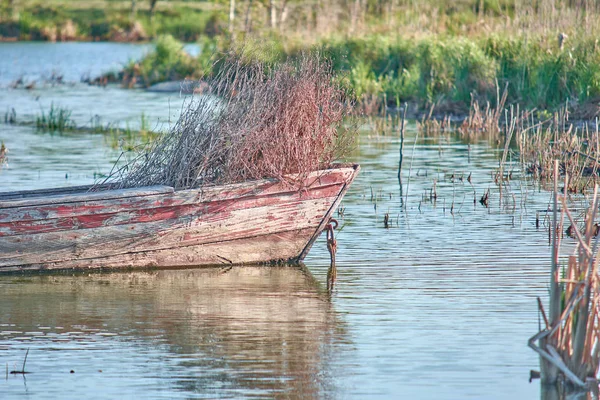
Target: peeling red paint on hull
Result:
[250, 222]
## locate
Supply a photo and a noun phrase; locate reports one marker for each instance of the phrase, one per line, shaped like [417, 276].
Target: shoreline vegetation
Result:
[107, 20]
[446, 74]
[58, 120]
[434, 55]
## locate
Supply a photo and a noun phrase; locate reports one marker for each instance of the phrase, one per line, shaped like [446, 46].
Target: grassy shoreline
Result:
[104, 20]
[445, 54]
[444, 72]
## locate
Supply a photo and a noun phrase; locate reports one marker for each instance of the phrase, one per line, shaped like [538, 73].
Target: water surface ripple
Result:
[439, 305]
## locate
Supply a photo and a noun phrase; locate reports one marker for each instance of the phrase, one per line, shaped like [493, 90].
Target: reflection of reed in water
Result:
[552, 392]
[245, 329]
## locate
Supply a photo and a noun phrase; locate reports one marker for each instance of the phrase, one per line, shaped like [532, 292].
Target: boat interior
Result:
[74, 194]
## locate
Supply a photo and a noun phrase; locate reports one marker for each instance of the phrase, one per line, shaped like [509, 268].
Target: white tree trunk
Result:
[231, 14]
[283, 14]
[273, 13]
[133, 8]
[248, 17]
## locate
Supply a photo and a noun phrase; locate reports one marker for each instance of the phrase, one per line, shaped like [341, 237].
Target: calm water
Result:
[440, 305]
[39, 61]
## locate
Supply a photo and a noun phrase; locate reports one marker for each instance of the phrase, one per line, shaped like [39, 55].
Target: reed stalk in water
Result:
[401, 145]
[569, 344]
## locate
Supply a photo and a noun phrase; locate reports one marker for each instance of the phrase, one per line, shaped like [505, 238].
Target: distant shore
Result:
[446, 56]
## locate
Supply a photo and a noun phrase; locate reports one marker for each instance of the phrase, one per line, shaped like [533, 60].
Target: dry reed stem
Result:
[401, 150]
[571, 344]
[3, 151]
[540, 143]
[488, 121]
[412, 157]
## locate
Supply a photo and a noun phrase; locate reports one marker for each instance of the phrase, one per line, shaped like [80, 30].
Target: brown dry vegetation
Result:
[569, 343]
[255, 122]
[3, 151]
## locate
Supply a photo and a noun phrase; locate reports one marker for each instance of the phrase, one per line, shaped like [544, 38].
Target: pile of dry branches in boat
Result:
[569, 343]
[254, 121]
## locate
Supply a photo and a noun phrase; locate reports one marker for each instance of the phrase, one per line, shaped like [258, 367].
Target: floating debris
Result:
[485, 199]
[22, 371]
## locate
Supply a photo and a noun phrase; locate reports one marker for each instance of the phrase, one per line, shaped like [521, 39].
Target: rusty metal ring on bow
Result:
[333, 221]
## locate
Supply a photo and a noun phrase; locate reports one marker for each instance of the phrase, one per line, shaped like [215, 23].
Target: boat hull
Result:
[247, 223]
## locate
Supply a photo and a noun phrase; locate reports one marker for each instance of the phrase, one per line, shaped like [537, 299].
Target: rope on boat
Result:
[332, 247]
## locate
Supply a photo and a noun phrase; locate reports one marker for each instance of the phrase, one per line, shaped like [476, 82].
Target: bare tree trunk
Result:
[354, 18]
[133, 9]
[273, 14]
[283, 15]
[231, 15]
[11, 8]
[152, 8]
[362, 11]
[317, 14]
[248, 17]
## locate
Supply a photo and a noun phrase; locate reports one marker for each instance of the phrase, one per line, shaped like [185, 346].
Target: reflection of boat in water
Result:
[244, 223]
[268, 329]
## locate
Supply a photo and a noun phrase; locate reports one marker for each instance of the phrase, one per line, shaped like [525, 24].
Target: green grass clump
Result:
[438, 69]
[129, 139]
[58, 119]
[168, 61]
[184, 24]
[427, 70]
[454, 68]
[113, 21]
[432, 70]
[543, 75]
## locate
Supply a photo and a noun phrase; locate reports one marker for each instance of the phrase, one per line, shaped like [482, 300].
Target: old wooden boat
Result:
[251, 222]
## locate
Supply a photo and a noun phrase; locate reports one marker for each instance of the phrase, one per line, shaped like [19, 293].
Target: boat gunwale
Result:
[43, 197]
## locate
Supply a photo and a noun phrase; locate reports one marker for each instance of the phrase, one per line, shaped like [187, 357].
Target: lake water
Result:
[440, 305]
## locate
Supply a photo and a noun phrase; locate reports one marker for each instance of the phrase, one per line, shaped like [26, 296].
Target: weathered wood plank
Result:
[83, 197]
[179, 198]
[280, 246]
[142, 215]
[192, 230]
